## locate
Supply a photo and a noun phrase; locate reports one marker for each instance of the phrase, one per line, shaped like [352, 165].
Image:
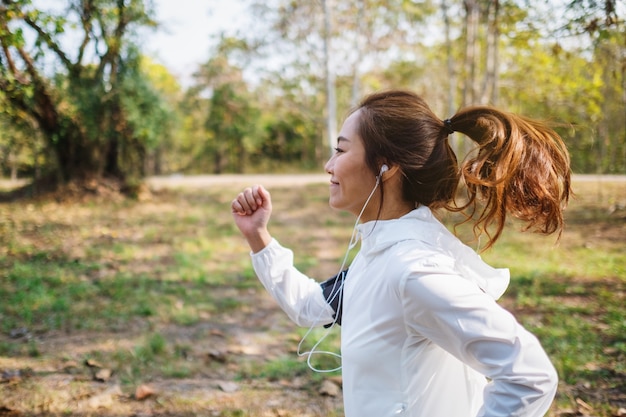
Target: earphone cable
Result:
[337, 293]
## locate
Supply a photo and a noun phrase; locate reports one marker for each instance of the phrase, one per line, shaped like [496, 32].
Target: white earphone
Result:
[384, 168]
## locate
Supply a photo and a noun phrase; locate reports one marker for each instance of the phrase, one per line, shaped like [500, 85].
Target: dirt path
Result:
[279, 180]
[268, 180]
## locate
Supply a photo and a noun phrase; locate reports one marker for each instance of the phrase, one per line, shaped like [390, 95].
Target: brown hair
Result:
[521, 167]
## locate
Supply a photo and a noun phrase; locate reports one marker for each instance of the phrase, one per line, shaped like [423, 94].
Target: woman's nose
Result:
[328, 166]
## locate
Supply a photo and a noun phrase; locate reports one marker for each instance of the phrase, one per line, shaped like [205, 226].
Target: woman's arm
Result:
[456, 315]
[299, 296]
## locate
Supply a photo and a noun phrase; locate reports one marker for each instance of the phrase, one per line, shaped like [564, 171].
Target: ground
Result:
[64, 378]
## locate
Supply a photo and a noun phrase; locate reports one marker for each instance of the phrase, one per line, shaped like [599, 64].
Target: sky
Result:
[184, 40]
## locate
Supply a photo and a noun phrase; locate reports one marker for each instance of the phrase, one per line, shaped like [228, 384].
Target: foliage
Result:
[149, 117]
[230, 118]
[94, 111]
[228, 124]
[263, 97]
[286, 137]
[21, 148]
[164, 120]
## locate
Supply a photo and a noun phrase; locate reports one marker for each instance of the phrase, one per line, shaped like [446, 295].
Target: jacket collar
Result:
[421, 225]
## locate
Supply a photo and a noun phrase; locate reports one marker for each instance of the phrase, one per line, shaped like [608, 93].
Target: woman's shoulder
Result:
[423, 259]
[414, 256]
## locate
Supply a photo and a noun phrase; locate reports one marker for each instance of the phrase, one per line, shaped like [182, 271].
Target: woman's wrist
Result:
[259, 240]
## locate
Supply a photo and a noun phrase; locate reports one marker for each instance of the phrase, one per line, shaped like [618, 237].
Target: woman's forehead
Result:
[349, 130]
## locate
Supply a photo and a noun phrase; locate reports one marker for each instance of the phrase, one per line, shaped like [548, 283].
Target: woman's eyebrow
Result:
[342, 138]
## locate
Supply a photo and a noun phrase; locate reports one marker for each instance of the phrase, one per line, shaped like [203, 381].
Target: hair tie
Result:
[447, 124]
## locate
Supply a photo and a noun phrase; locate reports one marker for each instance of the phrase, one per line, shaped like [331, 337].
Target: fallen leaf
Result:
[104, 399]
[591, 366]
[6, 411]
[329, 389]
[103, 375]
[92, 364]
[216, 332]
[228, 386]
[337, 379]
[71, 367]
[217, 355]
[583, 405]
[144, 391]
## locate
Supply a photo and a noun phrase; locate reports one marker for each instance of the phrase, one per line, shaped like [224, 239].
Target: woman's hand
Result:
[251, 210]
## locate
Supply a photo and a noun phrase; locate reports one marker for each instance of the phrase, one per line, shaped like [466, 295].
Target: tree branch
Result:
[48, 113]
[85, 13]
[15, 72]
[48, 40]
[114, 41]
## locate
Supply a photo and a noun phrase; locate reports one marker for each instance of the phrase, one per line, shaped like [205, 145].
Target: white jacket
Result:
[421, 329]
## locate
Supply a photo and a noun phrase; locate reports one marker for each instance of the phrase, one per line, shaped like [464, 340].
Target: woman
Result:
[422, 335]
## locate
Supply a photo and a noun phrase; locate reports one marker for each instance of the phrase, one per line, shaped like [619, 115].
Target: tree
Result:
[598, 28]
[326, 46]
[610, 59]
[20, 149]
[587, 35]
[90, 105]
[147, 118]
[231, 118]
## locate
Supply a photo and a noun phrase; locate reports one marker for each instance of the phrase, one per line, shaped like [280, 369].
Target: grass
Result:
[162, 290]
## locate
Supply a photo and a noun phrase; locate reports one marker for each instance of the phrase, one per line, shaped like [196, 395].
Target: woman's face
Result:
[351, 180]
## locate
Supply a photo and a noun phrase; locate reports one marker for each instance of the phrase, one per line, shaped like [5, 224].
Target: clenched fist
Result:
[251, 211]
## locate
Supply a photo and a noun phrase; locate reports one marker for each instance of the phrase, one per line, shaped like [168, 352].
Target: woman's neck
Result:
[393, 208]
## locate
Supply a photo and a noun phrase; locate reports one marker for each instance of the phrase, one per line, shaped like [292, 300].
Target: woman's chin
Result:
[334, 203]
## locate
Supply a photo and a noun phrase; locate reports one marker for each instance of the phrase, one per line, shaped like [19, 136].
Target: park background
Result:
[124, 287]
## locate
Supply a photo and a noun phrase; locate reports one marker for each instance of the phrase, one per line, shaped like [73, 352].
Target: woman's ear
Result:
[390, 172]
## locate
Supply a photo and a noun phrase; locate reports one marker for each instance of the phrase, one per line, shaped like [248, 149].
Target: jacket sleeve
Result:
[454, 313]
[299, 296]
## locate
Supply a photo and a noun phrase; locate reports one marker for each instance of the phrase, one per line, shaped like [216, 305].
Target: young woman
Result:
[422, 334]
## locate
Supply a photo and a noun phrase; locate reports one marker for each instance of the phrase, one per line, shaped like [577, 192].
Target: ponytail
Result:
[522, 167]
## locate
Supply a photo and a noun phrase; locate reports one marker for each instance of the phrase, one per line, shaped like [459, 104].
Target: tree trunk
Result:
[74, 158]
[12, 160]
[488, 91]
[238, 154]
[358, 48]
[452, 80]
[218, 159]
[495, 87]
[472, 14]
[331, 97]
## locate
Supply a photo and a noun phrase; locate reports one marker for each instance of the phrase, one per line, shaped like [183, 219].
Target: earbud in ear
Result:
[384, 168]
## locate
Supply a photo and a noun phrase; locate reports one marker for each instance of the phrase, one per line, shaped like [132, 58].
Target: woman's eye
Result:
[338, 150]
